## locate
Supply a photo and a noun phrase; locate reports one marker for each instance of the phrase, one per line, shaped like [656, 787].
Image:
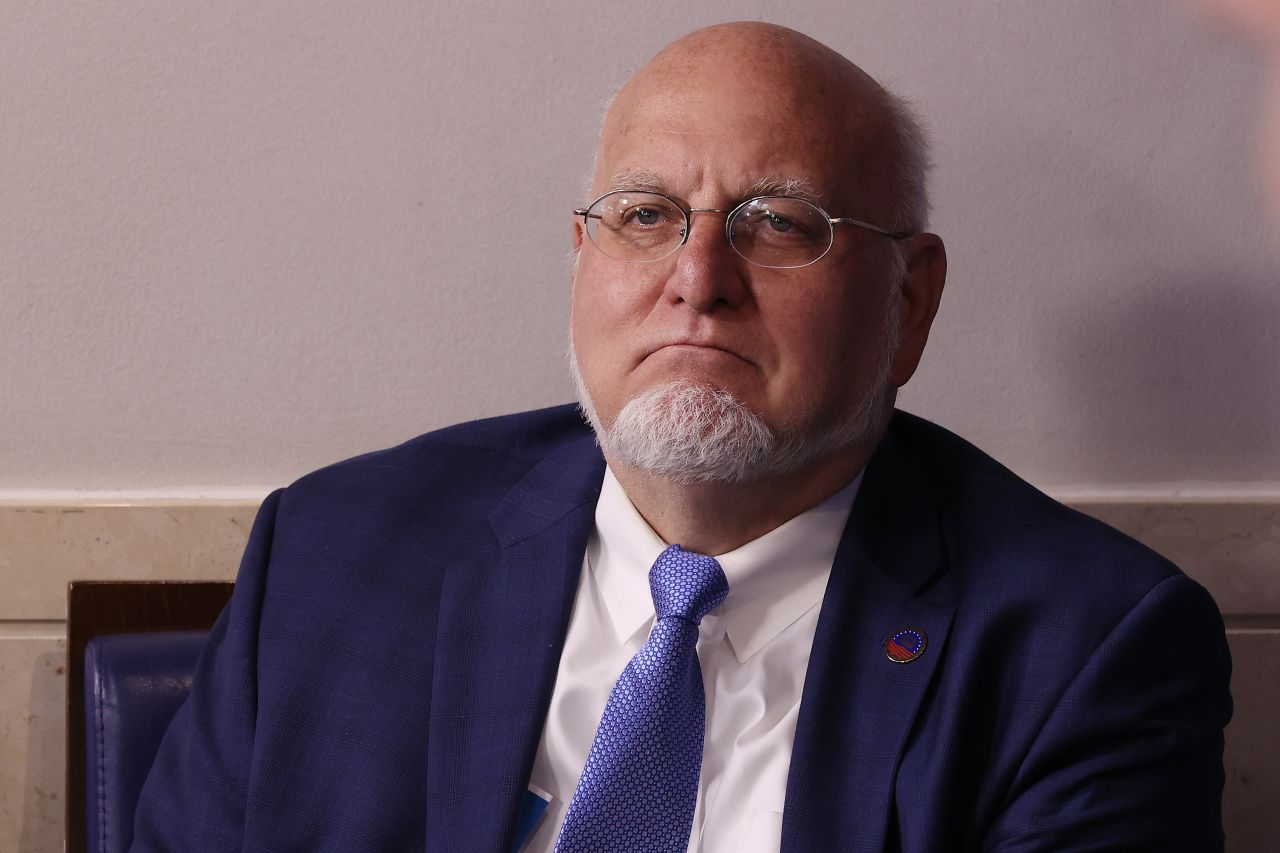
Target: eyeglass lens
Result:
[772, 231]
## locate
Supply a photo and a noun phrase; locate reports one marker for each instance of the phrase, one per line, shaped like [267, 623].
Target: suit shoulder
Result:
[1031, 579]
[527, 435]
[990, 513]
[458, 464]
[516, 441]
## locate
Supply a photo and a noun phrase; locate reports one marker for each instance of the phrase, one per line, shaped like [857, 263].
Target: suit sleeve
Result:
[194, 797]
[1131, 757]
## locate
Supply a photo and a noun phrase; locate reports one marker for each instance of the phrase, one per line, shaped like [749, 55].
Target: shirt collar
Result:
[773, 580]
[627, 547]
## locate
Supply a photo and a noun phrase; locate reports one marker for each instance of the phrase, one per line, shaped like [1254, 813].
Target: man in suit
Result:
[898, 646]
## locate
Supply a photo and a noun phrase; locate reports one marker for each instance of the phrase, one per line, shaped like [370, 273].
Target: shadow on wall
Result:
[43, 807]
[1175, 378]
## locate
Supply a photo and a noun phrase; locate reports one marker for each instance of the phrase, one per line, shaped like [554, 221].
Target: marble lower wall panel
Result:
[32, 737]
[1253, 743]
[1232, 547]
[42, 548]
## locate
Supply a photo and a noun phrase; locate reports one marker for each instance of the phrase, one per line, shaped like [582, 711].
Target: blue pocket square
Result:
[532, 808]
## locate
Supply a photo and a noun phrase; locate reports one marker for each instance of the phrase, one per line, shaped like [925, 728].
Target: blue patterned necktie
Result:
[640, 783]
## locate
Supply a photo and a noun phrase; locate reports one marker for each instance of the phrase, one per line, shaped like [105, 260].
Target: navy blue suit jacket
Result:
[380, 678]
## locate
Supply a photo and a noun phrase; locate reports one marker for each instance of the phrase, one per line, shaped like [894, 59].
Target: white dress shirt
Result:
[754, 650]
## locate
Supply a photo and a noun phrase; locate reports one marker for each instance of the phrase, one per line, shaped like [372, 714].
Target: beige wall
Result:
[240, 240]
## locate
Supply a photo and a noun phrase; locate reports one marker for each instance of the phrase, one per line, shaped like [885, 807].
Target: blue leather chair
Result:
[133, 685]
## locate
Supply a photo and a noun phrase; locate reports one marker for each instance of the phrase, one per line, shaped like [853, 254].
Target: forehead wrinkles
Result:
[742, 118]
[744, 157]
[791, 185]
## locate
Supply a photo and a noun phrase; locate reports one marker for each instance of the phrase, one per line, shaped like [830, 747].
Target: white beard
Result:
[693, 433]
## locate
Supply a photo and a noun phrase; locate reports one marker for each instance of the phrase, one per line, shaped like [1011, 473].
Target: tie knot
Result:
[686, 585]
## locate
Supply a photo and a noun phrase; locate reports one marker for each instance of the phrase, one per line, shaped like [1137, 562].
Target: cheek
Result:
[589, 300]
[607, 302]
[830, 350]
[823, 332]
[603, 314]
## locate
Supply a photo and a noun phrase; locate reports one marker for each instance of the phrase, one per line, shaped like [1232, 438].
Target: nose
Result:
[709, 275]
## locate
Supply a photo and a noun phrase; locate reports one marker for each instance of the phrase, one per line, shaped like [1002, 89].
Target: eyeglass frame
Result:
[585, 213]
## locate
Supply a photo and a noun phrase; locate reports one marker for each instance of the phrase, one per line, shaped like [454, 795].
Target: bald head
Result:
[752, 77]
[783, 60]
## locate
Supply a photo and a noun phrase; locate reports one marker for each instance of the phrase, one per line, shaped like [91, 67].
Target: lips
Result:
[698, 345]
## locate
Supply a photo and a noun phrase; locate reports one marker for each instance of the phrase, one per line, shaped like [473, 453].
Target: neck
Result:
[714, 518]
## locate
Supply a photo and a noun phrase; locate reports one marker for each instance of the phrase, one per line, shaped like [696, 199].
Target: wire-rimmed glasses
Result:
[780, 232]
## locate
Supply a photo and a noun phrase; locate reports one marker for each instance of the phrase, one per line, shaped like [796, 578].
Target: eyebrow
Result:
[637, 179]
[782, 185]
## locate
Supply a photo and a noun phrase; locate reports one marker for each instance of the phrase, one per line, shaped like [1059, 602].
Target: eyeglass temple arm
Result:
[894, 235]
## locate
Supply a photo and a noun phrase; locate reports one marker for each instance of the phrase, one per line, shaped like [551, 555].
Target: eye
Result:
[779, 223]
[646, 215]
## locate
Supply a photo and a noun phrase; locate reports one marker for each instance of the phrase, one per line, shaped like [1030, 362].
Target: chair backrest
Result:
[133, 685]
[102, 608]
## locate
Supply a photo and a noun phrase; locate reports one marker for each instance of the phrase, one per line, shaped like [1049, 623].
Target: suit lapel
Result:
[501, 630]
[858, 706]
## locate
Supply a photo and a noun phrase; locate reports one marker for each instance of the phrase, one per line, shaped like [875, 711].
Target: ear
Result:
[577, 234]
[920, 292]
